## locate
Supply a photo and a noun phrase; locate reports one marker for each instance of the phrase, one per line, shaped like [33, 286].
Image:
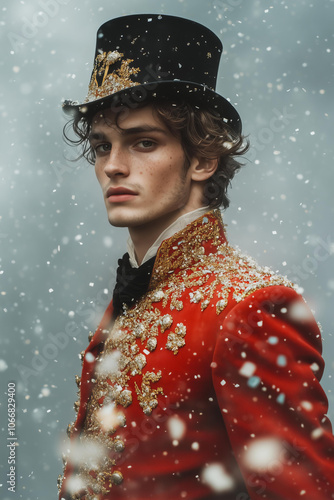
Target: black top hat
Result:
[144, 57]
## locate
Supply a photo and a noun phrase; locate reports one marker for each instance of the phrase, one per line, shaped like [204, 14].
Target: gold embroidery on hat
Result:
[111, 82]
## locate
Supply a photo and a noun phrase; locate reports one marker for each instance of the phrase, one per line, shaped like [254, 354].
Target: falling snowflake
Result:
[247, 369]
[176, 427]
[216, 477]
[261, 452]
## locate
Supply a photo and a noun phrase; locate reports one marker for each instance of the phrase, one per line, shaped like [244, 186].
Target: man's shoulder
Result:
[245, 273]
[232, 274]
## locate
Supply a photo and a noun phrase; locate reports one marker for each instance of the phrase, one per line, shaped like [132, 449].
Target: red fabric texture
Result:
[278, 401]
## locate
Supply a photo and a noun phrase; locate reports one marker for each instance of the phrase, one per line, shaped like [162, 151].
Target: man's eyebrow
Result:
[97, 136]
[142, 128]
[101, 136]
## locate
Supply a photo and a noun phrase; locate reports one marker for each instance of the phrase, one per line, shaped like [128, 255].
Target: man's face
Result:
[140, 166]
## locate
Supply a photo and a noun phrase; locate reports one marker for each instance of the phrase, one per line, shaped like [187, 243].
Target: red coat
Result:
[207, 388]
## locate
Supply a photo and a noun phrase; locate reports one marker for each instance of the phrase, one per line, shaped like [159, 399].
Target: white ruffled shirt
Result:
[175, 227]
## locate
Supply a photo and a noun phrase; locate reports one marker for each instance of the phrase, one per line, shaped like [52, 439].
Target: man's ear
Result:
[202, 168]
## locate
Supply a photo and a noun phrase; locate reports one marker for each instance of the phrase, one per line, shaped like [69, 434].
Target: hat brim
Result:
[177, 90]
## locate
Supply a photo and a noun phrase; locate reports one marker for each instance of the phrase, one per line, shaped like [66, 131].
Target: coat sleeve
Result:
[266, 371]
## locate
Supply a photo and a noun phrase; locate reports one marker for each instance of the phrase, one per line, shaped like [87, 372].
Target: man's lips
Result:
[117, 194]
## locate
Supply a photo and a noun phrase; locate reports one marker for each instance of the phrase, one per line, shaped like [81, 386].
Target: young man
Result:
[202, 380]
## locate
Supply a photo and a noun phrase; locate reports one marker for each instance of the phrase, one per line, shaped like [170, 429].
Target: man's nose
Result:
[117, 163]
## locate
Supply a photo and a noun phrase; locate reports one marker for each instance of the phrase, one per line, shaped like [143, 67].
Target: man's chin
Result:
[123, 221]
[117, 222]
[117, 217]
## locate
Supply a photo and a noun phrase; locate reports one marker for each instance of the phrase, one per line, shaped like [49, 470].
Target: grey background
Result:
[58, 252]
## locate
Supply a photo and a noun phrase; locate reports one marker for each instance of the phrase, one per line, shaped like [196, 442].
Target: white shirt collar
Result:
[175, 227]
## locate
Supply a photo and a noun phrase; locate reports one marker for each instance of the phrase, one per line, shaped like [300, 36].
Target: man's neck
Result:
[143, 237]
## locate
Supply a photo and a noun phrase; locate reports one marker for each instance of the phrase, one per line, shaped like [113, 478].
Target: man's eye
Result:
[102, 148]
[146, 143]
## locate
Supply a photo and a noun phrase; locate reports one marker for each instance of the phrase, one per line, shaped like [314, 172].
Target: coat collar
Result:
[177, 226]
[187, 247]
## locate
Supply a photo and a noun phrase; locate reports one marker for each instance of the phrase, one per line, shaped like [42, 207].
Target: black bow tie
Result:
[131, 282]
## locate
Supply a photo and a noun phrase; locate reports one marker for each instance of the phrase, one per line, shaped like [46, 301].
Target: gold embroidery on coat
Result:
[176, 340]
[147, 396]
[184, 249]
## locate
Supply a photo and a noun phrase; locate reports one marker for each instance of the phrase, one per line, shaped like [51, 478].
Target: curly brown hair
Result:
[202, 133]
